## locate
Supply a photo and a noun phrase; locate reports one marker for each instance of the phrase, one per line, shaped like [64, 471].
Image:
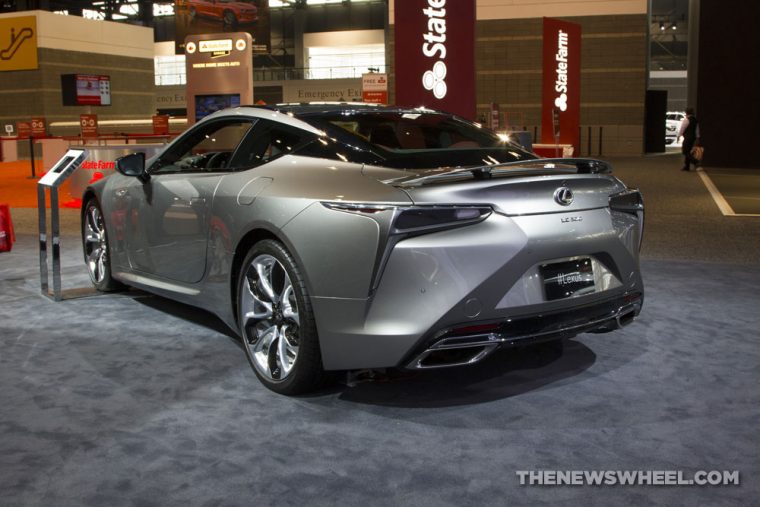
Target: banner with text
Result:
[561, 98]
[435, 55]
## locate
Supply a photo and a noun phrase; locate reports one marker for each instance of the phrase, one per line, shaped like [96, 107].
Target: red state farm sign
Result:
[89, 125]
[561, 97]
[375, 88]
[435, 55]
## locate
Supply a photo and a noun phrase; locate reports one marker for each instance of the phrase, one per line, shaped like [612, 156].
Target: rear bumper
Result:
[472, 342]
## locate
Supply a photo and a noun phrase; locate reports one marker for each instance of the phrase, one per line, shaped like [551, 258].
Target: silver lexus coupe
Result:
[352, 236]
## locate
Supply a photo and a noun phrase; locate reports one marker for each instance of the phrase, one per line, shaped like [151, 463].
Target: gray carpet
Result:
[130, 399]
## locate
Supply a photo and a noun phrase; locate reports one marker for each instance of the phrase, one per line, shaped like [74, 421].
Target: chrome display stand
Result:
[52, 180]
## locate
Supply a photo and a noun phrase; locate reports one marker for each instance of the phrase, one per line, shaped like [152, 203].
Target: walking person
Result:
[690, 132]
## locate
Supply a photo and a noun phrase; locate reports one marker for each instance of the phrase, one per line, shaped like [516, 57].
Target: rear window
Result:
[397, 130]
[408, 139]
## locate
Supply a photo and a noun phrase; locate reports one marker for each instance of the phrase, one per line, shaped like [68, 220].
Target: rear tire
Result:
[277, 323]
[95, 247]
[230, 19]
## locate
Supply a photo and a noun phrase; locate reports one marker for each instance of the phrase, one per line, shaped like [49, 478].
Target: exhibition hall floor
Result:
[131, 399]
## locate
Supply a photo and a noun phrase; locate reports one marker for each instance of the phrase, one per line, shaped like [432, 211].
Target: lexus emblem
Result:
[563, 196]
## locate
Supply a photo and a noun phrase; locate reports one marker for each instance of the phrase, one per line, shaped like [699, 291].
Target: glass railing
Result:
[284, 74]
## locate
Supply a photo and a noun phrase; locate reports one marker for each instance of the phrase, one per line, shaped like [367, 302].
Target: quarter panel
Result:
[337, 249]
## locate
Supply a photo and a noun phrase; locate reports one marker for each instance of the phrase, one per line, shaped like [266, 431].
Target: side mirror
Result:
[133, 165]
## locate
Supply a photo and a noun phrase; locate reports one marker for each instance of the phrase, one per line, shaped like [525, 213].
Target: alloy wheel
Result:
[269, 316]
[95, 245]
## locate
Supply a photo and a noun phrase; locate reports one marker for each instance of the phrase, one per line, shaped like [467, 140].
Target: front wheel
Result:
[276, 321]
[95, 246]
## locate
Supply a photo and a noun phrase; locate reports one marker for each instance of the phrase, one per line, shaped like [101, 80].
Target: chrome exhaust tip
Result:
[625, 318]
[448, 352]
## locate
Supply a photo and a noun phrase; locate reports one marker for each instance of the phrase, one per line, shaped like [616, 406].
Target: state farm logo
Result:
[91, 165]
[435, 44]
[560, 84]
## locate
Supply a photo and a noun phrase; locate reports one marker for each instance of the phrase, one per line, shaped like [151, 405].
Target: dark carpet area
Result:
[130, 399]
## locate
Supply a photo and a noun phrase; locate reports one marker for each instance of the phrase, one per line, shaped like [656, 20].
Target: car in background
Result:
[230, 12]
[344, 236]
[673, 121]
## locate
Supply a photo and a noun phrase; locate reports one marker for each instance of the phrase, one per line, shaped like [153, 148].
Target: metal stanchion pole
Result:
[55, 233]
[43, 239]
[31, 156]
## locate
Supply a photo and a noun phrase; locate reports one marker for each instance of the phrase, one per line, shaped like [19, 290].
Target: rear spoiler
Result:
[518, 167]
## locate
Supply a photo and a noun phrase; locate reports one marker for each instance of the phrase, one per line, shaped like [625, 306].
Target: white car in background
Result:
[672, 125]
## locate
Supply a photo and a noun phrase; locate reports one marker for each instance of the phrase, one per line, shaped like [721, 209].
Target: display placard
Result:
[38, 127]
[375, 88]
[67, 164]
[89, 125]
[161, 124]
[23, 129]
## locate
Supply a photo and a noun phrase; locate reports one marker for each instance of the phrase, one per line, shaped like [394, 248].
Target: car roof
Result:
[309, 108]
[266, 113]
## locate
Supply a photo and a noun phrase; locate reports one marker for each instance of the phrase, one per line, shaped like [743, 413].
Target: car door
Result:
[168, 225]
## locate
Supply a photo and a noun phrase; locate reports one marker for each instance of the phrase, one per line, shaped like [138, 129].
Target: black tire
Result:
[302, 372]
[97, 258]
[230, 19]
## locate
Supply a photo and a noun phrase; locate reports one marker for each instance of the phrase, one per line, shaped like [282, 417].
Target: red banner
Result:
[89, 125]
[561, 108]
[435, 55]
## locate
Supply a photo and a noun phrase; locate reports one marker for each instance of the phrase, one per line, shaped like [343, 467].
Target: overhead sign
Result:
[18, 43]
[561, 96]
[375, 88]
[88, 124]
[435, 55]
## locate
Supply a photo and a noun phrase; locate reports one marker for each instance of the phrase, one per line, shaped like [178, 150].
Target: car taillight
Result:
[427, 218]
[418, 219]
[630, 201]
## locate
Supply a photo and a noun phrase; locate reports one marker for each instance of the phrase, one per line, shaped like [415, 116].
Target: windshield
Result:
[417, 139]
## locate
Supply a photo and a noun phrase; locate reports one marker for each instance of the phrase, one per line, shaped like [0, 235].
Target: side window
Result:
[266, 142]
[206, 148]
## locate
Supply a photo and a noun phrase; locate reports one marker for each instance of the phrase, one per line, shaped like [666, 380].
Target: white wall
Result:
[518, 9]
